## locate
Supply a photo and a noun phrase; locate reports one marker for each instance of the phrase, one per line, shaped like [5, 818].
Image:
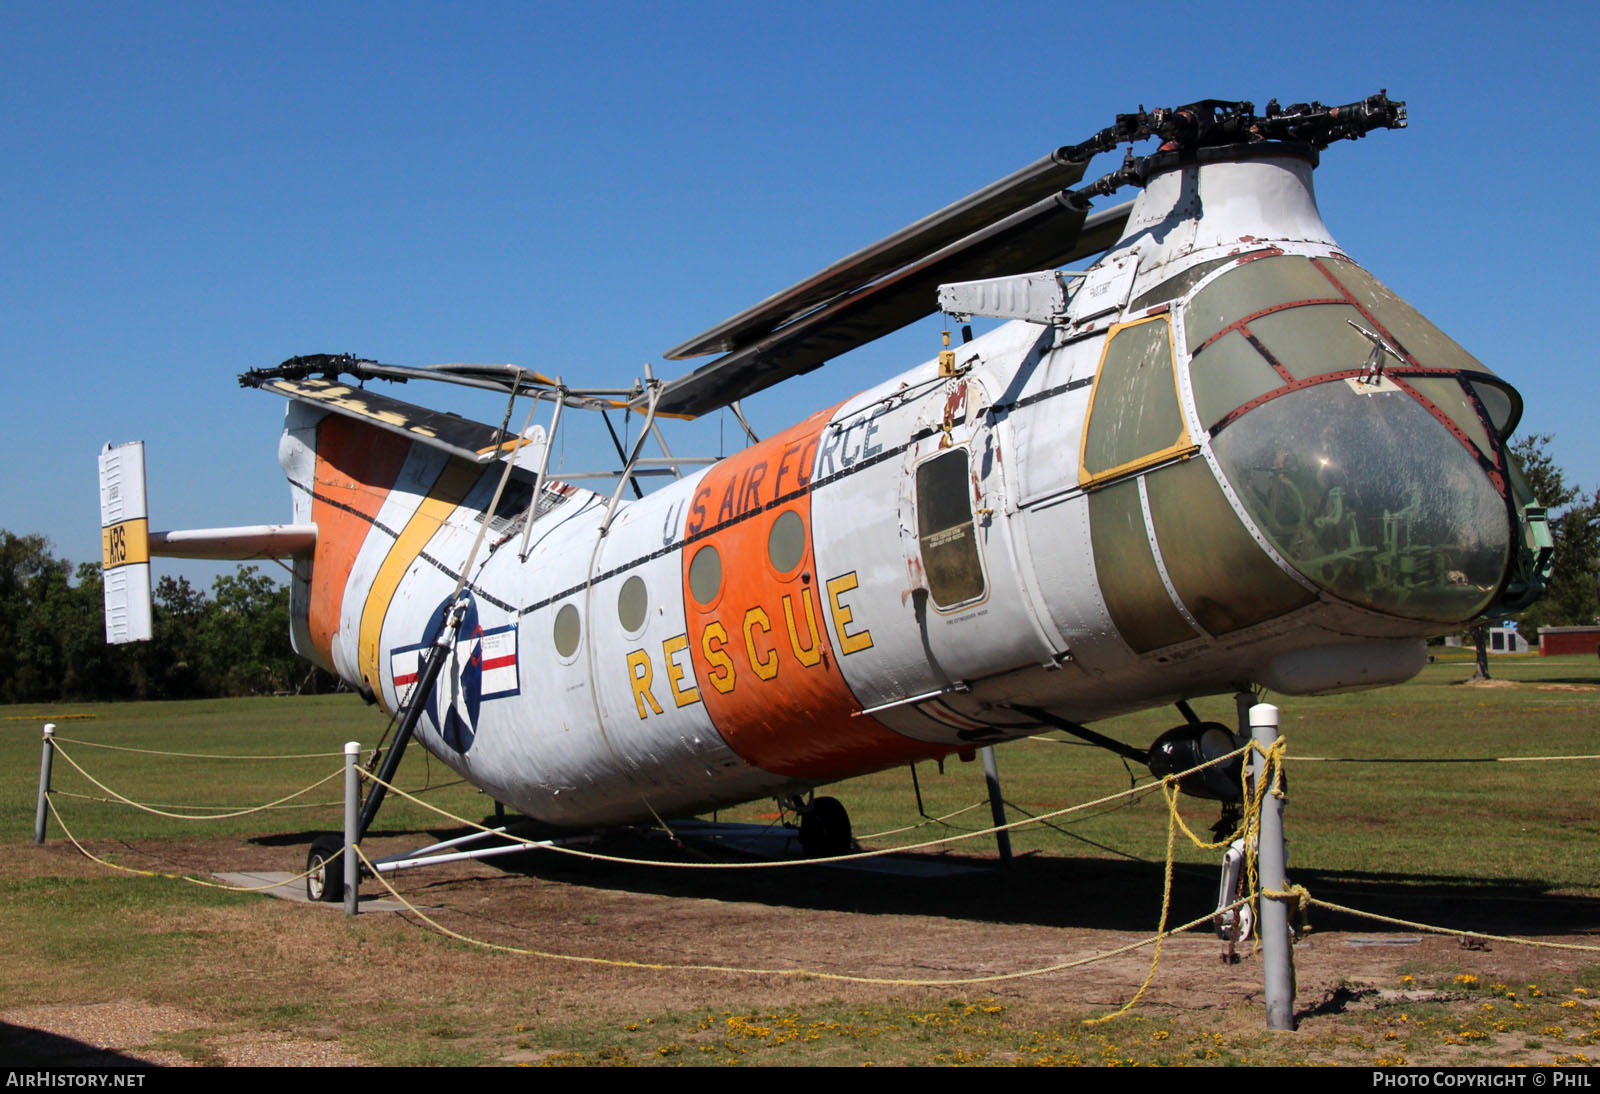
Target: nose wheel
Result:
[825, 829]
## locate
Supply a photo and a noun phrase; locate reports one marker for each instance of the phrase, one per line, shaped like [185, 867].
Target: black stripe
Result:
[704, 533]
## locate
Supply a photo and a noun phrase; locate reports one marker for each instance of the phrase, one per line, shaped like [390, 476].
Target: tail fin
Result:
[125, 543]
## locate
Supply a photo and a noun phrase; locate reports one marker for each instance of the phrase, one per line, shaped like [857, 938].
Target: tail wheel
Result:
[825, 829]
[325, 871]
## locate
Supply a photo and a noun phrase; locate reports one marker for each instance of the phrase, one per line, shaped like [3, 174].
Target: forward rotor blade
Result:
[1049, 233]
[999, 199]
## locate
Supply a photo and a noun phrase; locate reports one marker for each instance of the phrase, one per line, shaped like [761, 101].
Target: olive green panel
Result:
[1264, 283]
[945, 530]
[1432, 347]
[1316, 339]
[1176, 286]
[1372, 498]
[1129, 581]
[1502, 404]
[1225, 580]
[1446, 393]
[1227, 374]
[1135, 409]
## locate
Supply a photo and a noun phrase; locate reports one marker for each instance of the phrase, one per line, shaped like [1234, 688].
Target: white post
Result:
[45, 761]
[1276, 944]
[352, 818]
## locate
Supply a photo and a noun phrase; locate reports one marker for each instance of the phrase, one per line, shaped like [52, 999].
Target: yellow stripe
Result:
[452, 485]
[125, 544]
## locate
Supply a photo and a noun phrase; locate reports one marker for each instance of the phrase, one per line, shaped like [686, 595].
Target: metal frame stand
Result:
[997, 803]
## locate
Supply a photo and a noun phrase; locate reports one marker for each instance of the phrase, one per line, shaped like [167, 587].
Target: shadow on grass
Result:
[1053, 891]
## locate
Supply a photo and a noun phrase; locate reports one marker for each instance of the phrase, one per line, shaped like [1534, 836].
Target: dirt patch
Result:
[605, 944]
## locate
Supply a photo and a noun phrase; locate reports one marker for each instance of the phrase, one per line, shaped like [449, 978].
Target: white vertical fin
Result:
[125, 543]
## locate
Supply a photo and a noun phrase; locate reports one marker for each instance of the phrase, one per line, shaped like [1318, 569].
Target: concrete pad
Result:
[287, 886]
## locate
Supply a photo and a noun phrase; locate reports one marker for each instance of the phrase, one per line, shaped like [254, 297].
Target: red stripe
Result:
[500, 662]
[402, 681]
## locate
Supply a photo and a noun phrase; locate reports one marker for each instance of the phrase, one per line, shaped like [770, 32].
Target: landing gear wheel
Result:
[325, 882]
[825, 829]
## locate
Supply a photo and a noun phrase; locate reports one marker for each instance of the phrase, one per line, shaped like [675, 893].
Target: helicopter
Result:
[1219, 457]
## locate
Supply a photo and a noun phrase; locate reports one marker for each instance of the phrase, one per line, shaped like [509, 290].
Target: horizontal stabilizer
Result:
[237, 544]
[456, 435]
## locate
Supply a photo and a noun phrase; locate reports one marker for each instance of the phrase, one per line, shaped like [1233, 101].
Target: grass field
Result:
[1476, 844]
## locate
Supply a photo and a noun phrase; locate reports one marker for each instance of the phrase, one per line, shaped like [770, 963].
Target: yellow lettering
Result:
[848, 643]
[640, 660]
[669, 650]
[768, 668]
[812, 653]
[722, 664]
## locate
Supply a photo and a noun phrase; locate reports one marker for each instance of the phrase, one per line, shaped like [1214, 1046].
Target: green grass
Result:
[220, 727]
[1472, 835]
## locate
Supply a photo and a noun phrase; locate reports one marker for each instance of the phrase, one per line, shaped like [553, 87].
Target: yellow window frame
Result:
[1182, 448]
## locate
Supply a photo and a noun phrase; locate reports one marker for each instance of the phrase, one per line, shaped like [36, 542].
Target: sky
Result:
[191, 190]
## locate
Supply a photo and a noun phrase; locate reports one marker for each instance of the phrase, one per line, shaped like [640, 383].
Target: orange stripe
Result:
[766, 670]
[357, 465]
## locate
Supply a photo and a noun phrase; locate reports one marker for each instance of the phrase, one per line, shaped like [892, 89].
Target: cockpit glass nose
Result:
[1367, 494]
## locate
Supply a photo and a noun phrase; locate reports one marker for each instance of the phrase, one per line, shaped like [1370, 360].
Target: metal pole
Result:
[352, 822]
[997, 803]
[1276, 945]
[45, 760]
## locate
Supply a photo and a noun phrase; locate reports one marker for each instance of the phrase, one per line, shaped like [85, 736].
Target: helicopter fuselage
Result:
[1232, 458]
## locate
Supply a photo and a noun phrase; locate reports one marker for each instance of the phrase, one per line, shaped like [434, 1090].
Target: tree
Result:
[1573, 596]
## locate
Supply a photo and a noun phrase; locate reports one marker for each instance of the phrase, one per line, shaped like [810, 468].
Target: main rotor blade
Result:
[1049, 233]
[999, 199]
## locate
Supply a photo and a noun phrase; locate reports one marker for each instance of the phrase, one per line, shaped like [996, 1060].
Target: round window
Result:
[786, 543]
[705, 575]
[567, 630]
[632, 603]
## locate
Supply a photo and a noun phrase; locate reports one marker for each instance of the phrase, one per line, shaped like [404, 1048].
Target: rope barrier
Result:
[192, 816]
[50, 800]
[1440, 760]
[789, 863]
[198, 755]
[792, 972]
[1415, 926]
[181, 805]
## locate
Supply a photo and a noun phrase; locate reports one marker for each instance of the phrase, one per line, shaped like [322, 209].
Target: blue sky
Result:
[191, 190]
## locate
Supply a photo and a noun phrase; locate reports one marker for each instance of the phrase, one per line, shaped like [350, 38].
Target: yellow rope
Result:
[924, 823]
[1415, 926]
[193, 816]
[807, 973]
[36, 718]
[790, 863]
[181, 805]
[1272, 776]
[50, 800]
[196, 755]
[1438, 759]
